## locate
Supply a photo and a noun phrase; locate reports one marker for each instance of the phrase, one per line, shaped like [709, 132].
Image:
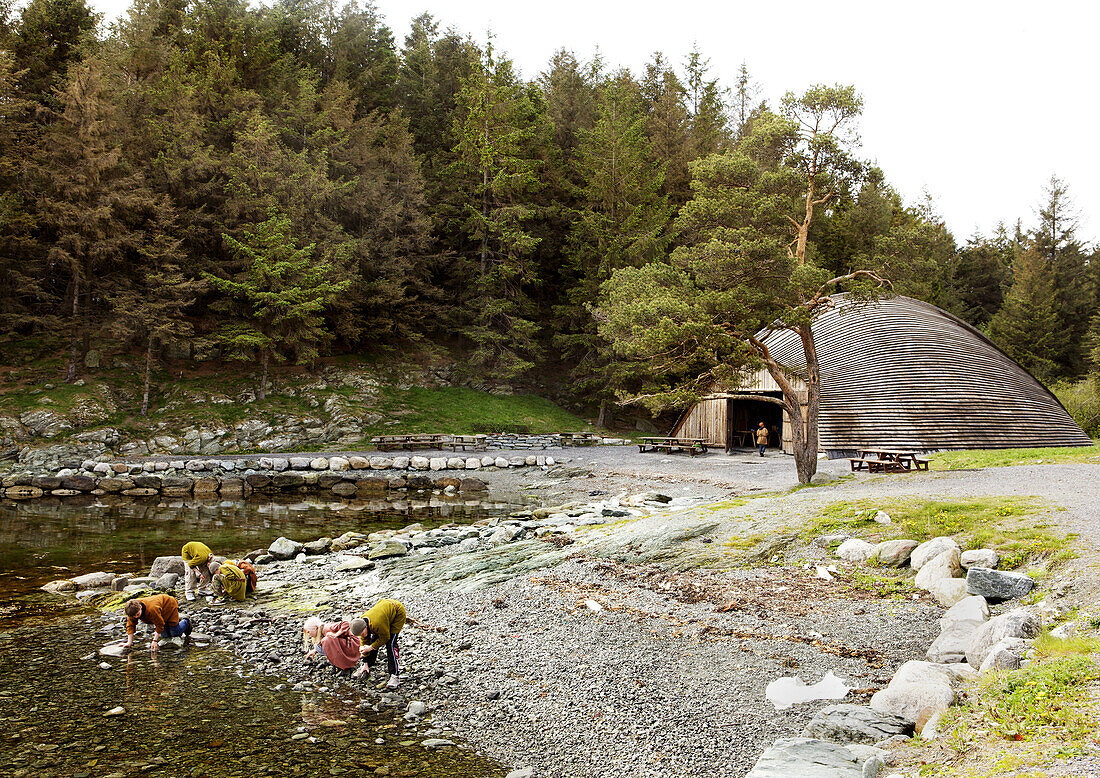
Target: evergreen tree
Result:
[621, 222]
[1027, 325]
[46, 41]
[98, 215]
[278, 300]
[709, 128]
[500, 129]
[981, 275]
[150, 307]
[570, 89]
[745, 265]
[1056, 240]
[668, 125]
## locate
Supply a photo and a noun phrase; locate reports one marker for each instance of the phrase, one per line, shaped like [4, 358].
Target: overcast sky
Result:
[976, 103]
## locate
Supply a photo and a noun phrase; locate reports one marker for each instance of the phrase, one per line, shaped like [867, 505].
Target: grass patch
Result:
[1013, 526]
[971, 460]
[879, 584]
[1016, 722]
[1040, 699]
[460, 410]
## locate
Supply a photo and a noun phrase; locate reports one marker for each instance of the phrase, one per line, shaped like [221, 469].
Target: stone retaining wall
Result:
[345, 484]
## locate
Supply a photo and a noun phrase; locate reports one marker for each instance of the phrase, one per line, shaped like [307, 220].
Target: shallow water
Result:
[197, 712]
[41, 541]
[188, 713]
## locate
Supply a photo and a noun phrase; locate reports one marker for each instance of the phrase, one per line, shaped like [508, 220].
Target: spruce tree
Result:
[277, 302]
[1027, 326]
[500, 130]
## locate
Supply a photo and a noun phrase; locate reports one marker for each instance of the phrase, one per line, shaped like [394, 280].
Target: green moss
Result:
[1013, 526]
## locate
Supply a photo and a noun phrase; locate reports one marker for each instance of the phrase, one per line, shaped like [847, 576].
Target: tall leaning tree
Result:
[746, 266]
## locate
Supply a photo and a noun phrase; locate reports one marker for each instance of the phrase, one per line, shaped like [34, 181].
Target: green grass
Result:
[1014, 526]
[1044, 696]
[970, 460]
[458, 410]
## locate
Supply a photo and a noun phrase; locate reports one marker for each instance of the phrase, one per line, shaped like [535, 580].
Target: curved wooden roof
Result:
[900, 373]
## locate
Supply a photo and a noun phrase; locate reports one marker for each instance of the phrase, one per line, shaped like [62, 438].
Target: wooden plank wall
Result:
[706, 420]
[901, 373]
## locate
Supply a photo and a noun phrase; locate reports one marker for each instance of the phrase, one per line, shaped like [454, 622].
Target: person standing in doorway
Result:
[761, 437]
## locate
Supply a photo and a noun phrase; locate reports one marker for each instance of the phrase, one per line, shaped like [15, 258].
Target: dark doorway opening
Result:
[742, 419]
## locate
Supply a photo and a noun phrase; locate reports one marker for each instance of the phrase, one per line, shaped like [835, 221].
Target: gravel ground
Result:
[593, 667]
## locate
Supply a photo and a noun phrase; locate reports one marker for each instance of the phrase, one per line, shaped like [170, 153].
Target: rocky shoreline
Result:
[611, 635]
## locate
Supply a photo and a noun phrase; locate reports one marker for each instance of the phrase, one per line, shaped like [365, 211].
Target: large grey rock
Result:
[93, 580]
[167, 564]
[285, 548]
[855, 550]
[997, 585]
[946, 565]
[980, 557]
[931, 549]
[166, 581]
[916, 702]
[387, 549]
[1007, 654]
[948, 591]
[1019, 623]
[809, 758]
[931, 672]
[419, 463]
[319, 546]
[59, 587]
[299, 463]
[338, 464]
[957, 626]
[855, 724]
[893, 553]
[354, 563]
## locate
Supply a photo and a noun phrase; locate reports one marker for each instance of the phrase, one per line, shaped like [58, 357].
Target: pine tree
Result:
[47, 40]
[279, 299]
[706, 98]
[668, 126]
[97, 213]
[1027, 325]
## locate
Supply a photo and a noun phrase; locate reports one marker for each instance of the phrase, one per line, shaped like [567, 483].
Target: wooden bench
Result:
[888, 461]
[467, 443]
[409, 442]
[877, 465]
[669, 445]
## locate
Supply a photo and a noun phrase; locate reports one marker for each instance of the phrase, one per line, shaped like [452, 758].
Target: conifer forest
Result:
[288, 182]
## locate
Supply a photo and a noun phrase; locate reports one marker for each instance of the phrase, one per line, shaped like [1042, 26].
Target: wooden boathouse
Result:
[895, 373]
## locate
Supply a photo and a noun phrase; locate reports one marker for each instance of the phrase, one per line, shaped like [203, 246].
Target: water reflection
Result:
[41, 541]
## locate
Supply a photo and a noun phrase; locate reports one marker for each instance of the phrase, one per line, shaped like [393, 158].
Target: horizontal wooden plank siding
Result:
[900, 373]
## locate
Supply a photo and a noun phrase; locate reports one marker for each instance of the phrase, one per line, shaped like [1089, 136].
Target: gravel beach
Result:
[640, 649]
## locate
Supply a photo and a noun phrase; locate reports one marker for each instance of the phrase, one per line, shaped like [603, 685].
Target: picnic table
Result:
[409, 442]
[887, 460]
[671, 445]
[746, 438]
[467, 442]
[579, 439]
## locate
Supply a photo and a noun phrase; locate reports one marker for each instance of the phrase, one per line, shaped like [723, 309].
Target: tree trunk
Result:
[603, 419]
[148, 374]
[74, 339]
[262, 394]
[813, 397]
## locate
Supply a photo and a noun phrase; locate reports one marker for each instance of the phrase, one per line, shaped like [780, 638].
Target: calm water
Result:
[192, 713]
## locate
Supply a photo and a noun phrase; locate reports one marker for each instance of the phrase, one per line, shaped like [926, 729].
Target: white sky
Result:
[976, 102]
